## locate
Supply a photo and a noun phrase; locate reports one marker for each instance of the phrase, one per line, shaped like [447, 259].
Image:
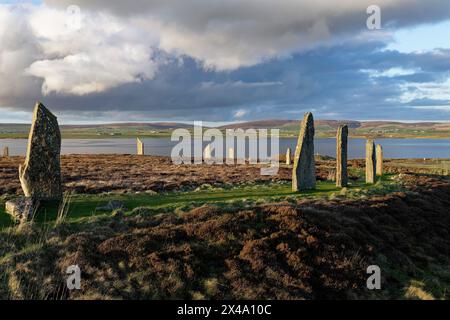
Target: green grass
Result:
[430, 283]
[5, 219]
[432, 166]
[21, 132]
[84, 206]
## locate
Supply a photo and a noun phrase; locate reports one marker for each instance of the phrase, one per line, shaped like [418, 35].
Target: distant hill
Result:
[260, 124]
[154, 125]
[276, 123]
[290, 124]
[98, 130]
[324, 128]
[376, 129]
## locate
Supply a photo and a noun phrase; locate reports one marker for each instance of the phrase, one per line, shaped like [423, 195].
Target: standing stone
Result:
[341, 156]
[379, 152]
[40, 175]
[207, 152]
[288, 157]
[6, 152]
[140, 147]
[370, 161]
[304, 170]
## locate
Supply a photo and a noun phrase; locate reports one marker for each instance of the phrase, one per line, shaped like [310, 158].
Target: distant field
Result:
[288, 128]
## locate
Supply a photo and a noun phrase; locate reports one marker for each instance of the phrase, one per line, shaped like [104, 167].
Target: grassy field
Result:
[286, 134]
[291, 131]
[242, 240]
[265, 241]
[430, 166]
[251, 241]
[84, 206]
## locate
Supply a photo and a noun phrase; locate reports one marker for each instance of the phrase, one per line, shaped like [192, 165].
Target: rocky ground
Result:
[304, 250]
[123, 173]
[296, 249]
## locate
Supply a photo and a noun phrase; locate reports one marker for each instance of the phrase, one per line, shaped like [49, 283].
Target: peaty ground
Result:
[230, 238]
[93, 174]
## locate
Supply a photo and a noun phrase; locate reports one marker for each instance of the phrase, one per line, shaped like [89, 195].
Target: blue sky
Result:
[422, 38]
[216, 61]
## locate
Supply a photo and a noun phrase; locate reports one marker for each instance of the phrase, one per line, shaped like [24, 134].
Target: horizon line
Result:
[222, 123]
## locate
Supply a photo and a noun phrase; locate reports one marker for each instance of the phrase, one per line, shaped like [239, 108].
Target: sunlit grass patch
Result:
[80, 207]
[416, 291]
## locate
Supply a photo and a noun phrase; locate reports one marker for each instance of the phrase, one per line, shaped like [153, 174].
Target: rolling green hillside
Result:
[288, 128]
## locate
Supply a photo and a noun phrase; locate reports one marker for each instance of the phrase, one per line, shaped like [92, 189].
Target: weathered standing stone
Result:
[40, 175]
[341, 156]
[6, 152]
[370, 162]
[140, 147]
[304, 170]
[379, 158]
[288, 156]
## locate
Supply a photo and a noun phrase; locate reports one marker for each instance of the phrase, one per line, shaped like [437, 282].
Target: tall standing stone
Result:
[379, 158]
[6, 152]
[288, 156]
[40, 175]
[370, 161]
[341, 156]
[304, 170]
[140, 147]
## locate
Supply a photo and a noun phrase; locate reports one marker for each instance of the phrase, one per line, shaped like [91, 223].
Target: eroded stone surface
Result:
[379, 158]
[341, 156]
[40, 175]
[370, 161]
[140, 147]
[304, 170]
[21, 209]
[288, 156]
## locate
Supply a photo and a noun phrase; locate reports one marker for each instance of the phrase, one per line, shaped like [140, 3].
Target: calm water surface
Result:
[393, 148]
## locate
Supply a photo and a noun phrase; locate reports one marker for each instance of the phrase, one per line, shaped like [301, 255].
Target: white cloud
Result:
[390, 73]
[240, 113]
[442, 108]
[239, 85]
[226, 35]
[416, 91]
[105, 51]
[116, 42]
[18, 49]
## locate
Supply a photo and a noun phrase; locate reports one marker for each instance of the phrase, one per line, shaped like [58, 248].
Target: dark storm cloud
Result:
[234, 33]
[221, 60]
[344, 81]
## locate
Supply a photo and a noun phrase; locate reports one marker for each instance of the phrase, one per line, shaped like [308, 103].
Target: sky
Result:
[93, 61]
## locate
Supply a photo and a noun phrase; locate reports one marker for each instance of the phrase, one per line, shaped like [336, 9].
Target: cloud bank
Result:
[98, 54]
[230, 34]
[231, 59]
